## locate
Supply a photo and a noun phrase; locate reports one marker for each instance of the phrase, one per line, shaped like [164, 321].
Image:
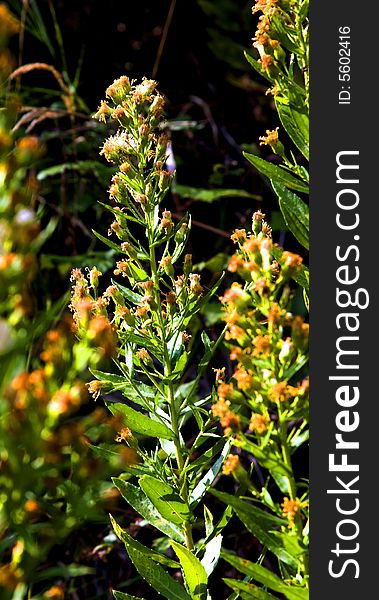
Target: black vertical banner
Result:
[344, 304]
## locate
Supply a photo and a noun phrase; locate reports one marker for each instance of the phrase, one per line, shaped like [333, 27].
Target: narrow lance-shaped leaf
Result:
[133, 390]
[123, 596]
[194, 573]
[108, 242]
[247, 591]
[205, 483]
[154, 574]
[264, 576]
[258, 67]
[168, 503]
[140, 423]
[141, 504]
[276, 174]
[204, 195]
[155, 556]
[260, 524]
[212, 554]
[295, 213]
[296, 124]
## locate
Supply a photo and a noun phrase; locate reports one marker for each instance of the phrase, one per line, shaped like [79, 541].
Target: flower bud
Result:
[166, 264]
[187, 267]
[94, 275]
[144, 357]
[258, 217]
[181, 234]
[164, 180]
[119, 90]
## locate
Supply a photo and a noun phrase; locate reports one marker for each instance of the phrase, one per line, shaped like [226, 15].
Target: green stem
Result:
[291, 482]
[170, 393]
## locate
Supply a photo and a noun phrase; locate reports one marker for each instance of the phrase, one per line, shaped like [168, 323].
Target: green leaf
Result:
[260, 524]
[281, 481]
[285, 35]
[133, 390]
[296, 124]
[130, 296]
[258, 68]
[208, 521]
[204, 195]
[122, 596]
[111, 377]
[302, 278]
[298, 440]
[212, 554]
[140, 423]
[141, 504]
[295, 213]
[205, 483]
[167, 502]
[303, 13]
[194, 573]
[276, 173]
[266, 457]
[291, 543]
[155, 575]
[20, 591]
[206, 456]
[108, 242]
[66, 571]
[92, 167]
[180, 365]
[248, 591]
[265, 577]
[128, 540]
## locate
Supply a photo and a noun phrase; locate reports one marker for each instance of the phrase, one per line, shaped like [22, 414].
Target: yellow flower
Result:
[231, 464]
[258, 423]
[281, 392]
[271, 138]
[290, 508]
[266, 61]
[123, 435]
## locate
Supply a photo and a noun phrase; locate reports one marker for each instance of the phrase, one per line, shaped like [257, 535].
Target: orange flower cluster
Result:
[290, 509]
[230, 421]
[89, 313]
[231, 464]
[258, 324]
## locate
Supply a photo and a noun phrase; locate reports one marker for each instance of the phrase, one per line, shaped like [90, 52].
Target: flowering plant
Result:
[282, 42]
[146, 326]
[143, 326]
[265, 405]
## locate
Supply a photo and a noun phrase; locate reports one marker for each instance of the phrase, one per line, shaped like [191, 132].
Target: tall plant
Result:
[282, 43]
[165, 420]
[266, 405]
[268, 344]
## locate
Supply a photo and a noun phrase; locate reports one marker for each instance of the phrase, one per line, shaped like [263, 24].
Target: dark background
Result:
[210, 89]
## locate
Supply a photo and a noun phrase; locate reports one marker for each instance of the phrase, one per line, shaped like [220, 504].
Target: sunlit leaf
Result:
[194, 573]
[141, 504]
[167, 502]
